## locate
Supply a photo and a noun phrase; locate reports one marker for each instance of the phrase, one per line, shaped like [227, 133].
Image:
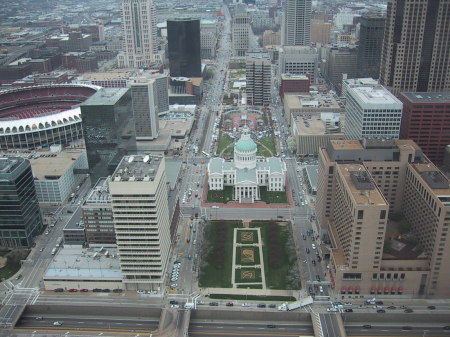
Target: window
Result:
[383, 214]
[352, 276]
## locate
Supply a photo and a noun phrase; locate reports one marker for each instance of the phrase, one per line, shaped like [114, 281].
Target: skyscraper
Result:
[141, 221]
[296, 25]
[184, 47]
[139, 30]
[259, 78]
[240, 34]
[416, 53]
[20, 216]
[371, 35]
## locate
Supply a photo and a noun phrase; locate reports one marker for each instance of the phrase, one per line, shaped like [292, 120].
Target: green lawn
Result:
[252, 297]
[8, 271]
[277, 277]
[270, 144]
[220, 196]
[246, 236]
[250, 286]
[271, 197]
[224, 144]
[212, 275]
[248, 275]
[244, 259]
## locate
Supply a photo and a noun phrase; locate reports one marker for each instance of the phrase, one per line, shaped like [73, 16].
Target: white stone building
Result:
[247, 173]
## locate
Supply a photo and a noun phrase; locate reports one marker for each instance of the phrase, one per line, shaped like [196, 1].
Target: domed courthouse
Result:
[247, 173]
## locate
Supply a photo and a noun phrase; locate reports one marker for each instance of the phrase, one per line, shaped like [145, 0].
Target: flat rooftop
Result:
[374, 95]
[51, 165]
[107, 76]
[346, 144]
[428, 97]
[137, 168]
[9, 164]
[82, 263]
[434, 178]
[106, 96]
[99, 194]
[361, 196]
[321, 102]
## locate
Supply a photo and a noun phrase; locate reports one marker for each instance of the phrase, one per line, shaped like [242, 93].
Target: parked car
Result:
[261, 305]
[39, 318]
[58, 290]
[367, 326]
[272, 305]
[97, 290]
[117, 290]
[84, 290]
[229, 304]
[431, 307]
[73, 290]
[214, 304]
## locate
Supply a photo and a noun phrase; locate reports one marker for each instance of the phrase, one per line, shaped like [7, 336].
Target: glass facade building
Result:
[184, 47]
[20, 216]
[109, 130]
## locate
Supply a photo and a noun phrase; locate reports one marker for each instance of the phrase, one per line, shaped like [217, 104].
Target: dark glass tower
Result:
[371, 35]
[184, 47]
[109, 130]
[20, 217]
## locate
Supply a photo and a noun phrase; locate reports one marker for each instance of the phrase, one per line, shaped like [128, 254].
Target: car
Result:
[84, 290]
[175, 306]
[271, 326]
[307, 250]
[313, 246]
[406, 328]
[117, 290]
[46, 232]
[229, 304]
[379, 302]
[391, 307]
[39, 318]
[58, 290]
[403, 307]
[367, 326]
[173, 302]
[408, 311]
[214, 304]
[431, 307]
[246, 304]
[348, 310]
[73, 290]
[447, 327]
[304, 237]
[332, 309]
[272, 305]
[318, 278]
[69, 211]
[57, 323]
[381, 311]
[97, 290]
[377, 307]
[313, 262]
[18, 277]
[174, 285]
[105, 290]
[261, 305]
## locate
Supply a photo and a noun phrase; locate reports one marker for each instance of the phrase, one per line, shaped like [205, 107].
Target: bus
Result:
[206, 154]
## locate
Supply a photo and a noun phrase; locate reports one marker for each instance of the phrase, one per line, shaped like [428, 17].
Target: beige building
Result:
[271, 38]
[416, 51]
[141, 221]
[362, 183]
[320, 31]
[314, 133]
[240, 34]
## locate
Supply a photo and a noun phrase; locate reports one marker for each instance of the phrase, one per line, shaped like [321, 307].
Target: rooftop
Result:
[137, 168]
[311, 102]
[433, 177]
[9, 164]
[51, 166]
[427, 97]
[374, 95]
[346, 144]
[106, 96]
[315, 126]
[99, 194]
[294, 77]
[356, 187]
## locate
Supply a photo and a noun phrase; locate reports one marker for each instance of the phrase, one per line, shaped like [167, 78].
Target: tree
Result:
[292, 144]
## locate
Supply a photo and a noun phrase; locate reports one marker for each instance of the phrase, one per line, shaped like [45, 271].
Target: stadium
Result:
[40, 116]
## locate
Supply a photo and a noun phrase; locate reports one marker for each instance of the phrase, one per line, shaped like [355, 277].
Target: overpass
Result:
[328, 324]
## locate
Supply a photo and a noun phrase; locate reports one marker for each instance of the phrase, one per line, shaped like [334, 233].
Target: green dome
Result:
[245, 145]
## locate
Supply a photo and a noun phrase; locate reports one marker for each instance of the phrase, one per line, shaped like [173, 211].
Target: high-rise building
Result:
[320, 31]
[296, 24]
[108, 128]
[183, 37]
[141, 221]
[258, 72]
[20, 216]
[371, 111]
[426, 120]
[208, 39]
[299, 60]
[139, 28]
[149, 98]
[371, 35]
[363, 182]
[416, 51]
[240, 34]
[340, 63]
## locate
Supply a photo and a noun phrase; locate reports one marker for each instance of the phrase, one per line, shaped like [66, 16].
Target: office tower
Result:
[258, 72]
[299, 60]
[426, 120]
[371, 35]
[141, 221]
[371, 111]
[208, 39]
[108, 128]
[149, 98]
[416, 53]
[98, 216]
[340, 62]
[240, 34]
[183, 37]
[296, 25]
[362, 182]
[139, 28]
[294, 84]
[320, 31]
[20, 216]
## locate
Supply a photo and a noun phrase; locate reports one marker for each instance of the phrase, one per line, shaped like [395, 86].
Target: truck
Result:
[295, 305]
[189, 305]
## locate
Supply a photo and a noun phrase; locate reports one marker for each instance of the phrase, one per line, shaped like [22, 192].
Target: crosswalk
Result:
[15, 301]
